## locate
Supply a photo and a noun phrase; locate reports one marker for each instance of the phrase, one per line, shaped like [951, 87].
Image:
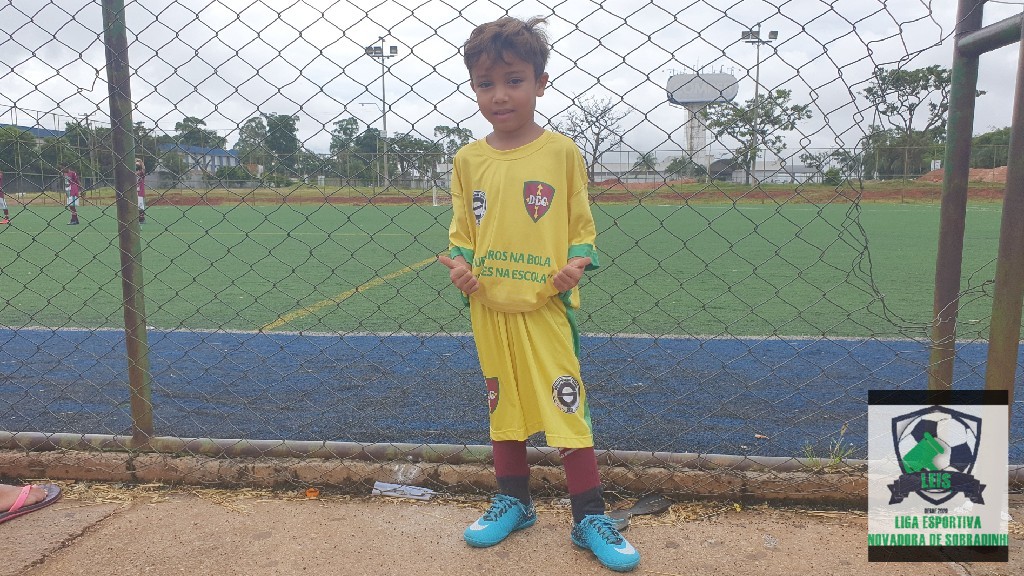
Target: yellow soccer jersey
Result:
[519, 215]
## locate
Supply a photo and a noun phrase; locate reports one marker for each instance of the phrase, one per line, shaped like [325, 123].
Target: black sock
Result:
[515, 486]
[586, 503]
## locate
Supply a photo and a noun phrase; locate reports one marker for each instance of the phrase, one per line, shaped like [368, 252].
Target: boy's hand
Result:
[568, 277]
[461, 273]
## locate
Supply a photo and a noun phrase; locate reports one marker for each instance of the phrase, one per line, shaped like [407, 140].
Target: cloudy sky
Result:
[228, 60]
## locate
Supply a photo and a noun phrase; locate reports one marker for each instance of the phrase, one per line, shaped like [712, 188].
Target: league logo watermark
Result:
[937, 475]
[937, 448]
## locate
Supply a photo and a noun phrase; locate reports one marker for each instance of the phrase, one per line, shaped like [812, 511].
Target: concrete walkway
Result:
[205, 532]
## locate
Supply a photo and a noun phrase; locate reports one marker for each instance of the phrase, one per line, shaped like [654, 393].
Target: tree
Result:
[910, 107]
[646, 161]
[311, 164]
[174, 165]
[80, 139]
[343, 138]
[898, 96]
[818, 161]
[85, 146]
[833, 166]
[190, 132]
[758, 123]
[232, 173]
[56, 152]
[848, 163]
[684, 167]
[145, 146]
[252, 142]
[343, 135]
[991, 149]
[17, 150]
[594, 125]
[451, 139]
[415, 157]
[282, 139]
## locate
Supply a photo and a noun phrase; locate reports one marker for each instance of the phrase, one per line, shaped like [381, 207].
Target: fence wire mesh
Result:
[769, 255]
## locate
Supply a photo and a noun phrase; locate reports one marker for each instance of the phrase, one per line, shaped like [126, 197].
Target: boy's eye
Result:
[484, 84]
[515, 81]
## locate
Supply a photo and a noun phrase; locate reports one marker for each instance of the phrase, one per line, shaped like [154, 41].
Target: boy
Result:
[140, 174]
[72, 186]
[521, 236]
[3, 203]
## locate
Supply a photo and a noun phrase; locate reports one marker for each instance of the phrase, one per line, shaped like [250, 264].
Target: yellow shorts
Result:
[532, 374]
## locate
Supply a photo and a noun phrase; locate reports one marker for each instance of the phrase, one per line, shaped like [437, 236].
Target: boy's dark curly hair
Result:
[508, 36]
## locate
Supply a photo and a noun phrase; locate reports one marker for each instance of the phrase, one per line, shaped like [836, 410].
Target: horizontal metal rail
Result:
[384, 452]
[991, 37]
[432, 453]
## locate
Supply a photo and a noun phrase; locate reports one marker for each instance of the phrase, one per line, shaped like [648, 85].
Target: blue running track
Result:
[647, 394]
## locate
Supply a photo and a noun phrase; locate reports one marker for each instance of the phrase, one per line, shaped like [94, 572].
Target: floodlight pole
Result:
[754, 37]
[373, 52]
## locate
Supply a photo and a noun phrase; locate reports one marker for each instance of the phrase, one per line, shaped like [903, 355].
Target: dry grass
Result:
[235, 499]
[240, 499]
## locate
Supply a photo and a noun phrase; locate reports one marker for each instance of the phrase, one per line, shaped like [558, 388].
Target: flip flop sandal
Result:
[53, 493]
[653, 504]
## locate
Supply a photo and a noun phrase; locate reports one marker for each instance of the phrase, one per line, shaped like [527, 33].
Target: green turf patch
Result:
[731, 269]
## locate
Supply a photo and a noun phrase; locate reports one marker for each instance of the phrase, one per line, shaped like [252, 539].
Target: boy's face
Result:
[506, 93]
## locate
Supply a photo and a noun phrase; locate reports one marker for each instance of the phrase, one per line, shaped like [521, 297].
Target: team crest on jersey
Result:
[537, 196]
[566, 394]
[492, 393]
[479, 205]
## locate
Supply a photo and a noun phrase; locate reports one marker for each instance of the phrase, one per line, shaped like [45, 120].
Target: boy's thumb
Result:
[446, 261]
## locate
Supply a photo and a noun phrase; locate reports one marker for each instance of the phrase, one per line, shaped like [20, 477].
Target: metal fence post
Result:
[129, 240]
[1004, 338]
[949, 261]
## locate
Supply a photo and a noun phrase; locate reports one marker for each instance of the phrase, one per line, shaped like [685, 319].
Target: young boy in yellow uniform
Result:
[521, 237]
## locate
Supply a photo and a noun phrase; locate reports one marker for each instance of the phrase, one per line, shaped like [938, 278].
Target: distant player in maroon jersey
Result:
[72, 185]
[140, 174]
[3, 203]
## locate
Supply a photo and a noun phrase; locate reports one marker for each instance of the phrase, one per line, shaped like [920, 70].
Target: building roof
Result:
[197, 150]
[774, 167]
[37, 132]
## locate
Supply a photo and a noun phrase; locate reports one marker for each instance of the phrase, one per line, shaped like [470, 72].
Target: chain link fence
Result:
[759, 276]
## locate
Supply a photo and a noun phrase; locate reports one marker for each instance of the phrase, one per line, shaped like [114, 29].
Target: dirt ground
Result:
[113, 531]
[974, 175]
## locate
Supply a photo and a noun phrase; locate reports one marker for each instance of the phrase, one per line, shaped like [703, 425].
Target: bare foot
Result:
[9, 494]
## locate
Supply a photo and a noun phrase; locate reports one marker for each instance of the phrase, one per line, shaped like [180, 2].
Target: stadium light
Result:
[375, 51]
[753, 36]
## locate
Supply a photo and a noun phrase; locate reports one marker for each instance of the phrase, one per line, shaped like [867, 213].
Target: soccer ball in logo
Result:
[955, 440]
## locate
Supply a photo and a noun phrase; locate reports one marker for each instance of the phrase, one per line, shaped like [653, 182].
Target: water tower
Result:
[694, 92]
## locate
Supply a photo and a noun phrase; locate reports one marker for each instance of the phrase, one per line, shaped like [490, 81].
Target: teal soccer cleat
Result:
[506, 515]
[598, 534]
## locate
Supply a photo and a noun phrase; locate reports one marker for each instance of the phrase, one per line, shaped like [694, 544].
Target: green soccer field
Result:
[749, 270]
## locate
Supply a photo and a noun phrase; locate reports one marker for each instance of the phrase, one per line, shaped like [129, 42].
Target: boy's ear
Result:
[542, 83]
